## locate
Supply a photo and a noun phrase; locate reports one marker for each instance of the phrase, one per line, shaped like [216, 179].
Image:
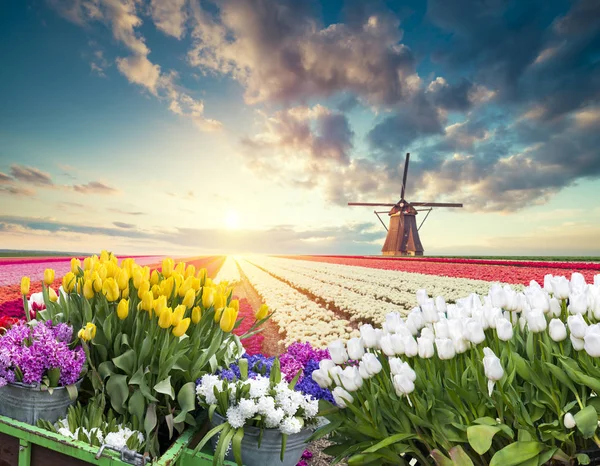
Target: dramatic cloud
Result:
[31, 175]
[288, 56]
[95, 187]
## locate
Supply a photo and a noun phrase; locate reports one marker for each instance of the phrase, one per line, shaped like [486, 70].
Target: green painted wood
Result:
[24, 453]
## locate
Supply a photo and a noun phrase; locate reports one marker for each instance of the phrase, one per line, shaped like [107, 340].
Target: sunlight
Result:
[232, 220]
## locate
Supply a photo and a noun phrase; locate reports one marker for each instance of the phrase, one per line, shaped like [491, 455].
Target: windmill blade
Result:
[371, 204]
[405, 175]
[435, 204]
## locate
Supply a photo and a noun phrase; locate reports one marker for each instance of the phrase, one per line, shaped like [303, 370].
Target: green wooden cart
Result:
[24, 445]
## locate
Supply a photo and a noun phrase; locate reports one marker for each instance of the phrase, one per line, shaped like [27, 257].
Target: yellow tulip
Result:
[123, 309]
[138, 277]
[125, 293]
[181, 327]
[178, 314]
[166, 286]
[196, 284]
[52, 295]
[263, 312]
[219, 301]
[87, 274]
[218, 313]
[127, 264]
[49, 276]
[111, 269]
[104, 256]
[102, 271]
[185, 286]
[146, 273]
[147, 302]
[208, 297]
[96, 282]
[87, 263]
[88, 332]
[235, 303]
[180, 268]
[68, 282]
[154, 278]
[167, 267]
[122, 277]
[196, 314]
[110, 289]
[190, 271]
[189, 299]
[25, 283]
[155, 291]
[75, 265]
[166, 317]
[88, 289]
[202, 274]
[143, 288]
[160, 304]
[228, 319]
[208, 282]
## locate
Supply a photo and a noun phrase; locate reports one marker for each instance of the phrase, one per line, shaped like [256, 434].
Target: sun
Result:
[232, 220]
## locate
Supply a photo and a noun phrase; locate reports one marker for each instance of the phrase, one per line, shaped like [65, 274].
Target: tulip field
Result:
[319, 299]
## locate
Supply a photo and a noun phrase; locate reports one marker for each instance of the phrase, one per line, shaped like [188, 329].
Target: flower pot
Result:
[270, 446]
[28, 403]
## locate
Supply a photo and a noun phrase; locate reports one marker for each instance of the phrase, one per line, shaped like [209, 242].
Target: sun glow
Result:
[232, 220]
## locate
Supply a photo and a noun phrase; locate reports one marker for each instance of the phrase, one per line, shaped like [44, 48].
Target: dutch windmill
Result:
[403, 234]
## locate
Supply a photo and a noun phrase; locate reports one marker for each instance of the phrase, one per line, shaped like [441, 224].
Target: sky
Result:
[233, 126]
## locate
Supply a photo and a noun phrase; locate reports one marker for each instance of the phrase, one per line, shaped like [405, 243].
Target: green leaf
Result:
[587, 421]
[582, 458]
[118, 391]
[169, 421]
[137, 404]
[480, 437]
[237, 446]
[186, 398]
[165, 387]
[150, 419]
[388, 441]
[516, 453]
[53, 376]
[440, 459]
[72, 391]
[106, 369]
[126, 362]
[243, 365]
[459, 457]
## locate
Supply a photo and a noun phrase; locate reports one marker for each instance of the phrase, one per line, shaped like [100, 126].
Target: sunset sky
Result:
[228, 126]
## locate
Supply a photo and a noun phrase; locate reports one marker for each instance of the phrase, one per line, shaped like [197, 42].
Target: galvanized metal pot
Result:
[28, 403]
[270, 446]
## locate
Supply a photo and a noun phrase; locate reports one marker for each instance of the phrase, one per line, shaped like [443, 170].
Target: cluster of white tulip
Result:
[437, 328]
[297, 317]
[228, 272]
[367, 294]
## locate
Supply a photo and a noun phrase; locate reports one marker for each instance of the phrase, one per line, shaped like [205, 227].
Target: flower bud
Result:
[88, 289]
[577, 326]
[445, 348]
[504, 329]
[181, 327]
[196, 314]
[321, 377]
[578, 343]
[207, 297]
[536, 321]
[351, 379]
[154, 278]
[110, 289]
[75, 266]
[262, 313]
[371, 364]
[425, 347]
[178, 314]
[68, 282]
[189, 299]
[592, 341]
[25, 283]
[338, 352]
[403, 384]
[560, 287]
[569, 421]
[147, 302]
[52, 295]
[228, 319]
[578, 303]
[411, 347]
[123, 309]
[368, 335]
[167, 267]
[49, 276]
[341, 397]
[96, 282]
[355, 349]
[166, 317]
[557, 330]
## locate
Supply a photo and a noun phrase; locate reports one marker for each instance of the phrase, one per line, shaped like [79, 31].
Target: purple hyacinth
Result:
[28, 353]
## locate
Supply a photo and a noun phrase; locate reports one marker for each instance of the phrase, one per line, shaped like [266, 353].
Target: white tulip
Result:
[536, 321]
[504, 329]
[512, 299]
[445, 348]
[578, 343]
[569, 421]
[522, 303]
[411, 347]
[362, 370]
[369, 336]
[427, 333]
[441, 329]
[557, 330]
[321, 377]
[430, 313]
[455, 329]
[385, 342]
[561, 287]
[548, 283]
[492, 367]
[337, 351]
[596, 307]
[534, 285]
[326, 364]
[335, 373]
[341, 397]
[597, 279]
[372, 364]
[492, 315]
[393, 321]
[577, 326]
[578, 303]
[461, 345]
[555, 310]
[473, 331]
[577, 284]
[422, 296]
[396, 365]
[397, 343]
[351, 379]
[425, 346]
[498, 296]
[356, 349]
[378, 335]
[440, 304]
[403, 384]
[592, 340]
[522, 323]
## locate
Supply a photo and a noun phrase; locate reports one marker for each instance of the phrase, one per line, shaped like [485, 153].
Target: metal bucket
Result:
[270, 446]
[28, 403]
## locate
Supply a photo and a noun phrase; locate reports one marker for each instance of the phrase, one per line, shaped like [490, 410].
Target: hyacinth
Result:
[28, 353]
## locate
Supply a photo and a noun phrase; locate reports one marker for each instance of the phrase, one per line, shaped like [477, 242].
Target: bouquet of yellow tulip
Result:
[148, 335]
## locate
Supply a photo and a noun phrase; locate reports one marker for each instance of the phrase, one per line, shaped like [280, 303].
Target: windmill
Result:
[403, 234]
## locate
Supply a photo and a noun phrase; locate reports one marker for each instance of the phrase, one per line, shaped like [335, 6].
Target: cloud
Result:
[126, 212]
[4, 178]
[95, 187]
[17, 191]
[31, 175]
[139, 70]
[289, 56]
[169, 16]
[124, 225]
[98, 62]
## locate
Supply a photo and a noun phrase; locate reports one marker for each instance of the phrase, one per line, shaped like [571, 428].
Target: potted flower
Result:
[39, 371]
[260, 414]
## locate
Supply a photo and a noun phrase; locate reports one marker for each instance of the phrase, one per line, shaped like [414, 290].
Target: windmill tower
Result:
[403, 234]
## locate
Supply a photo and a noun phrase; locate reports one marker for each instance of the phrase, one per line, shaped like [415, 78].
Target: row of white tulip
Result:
[367, 294]
[297, 317]
[228, 272]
